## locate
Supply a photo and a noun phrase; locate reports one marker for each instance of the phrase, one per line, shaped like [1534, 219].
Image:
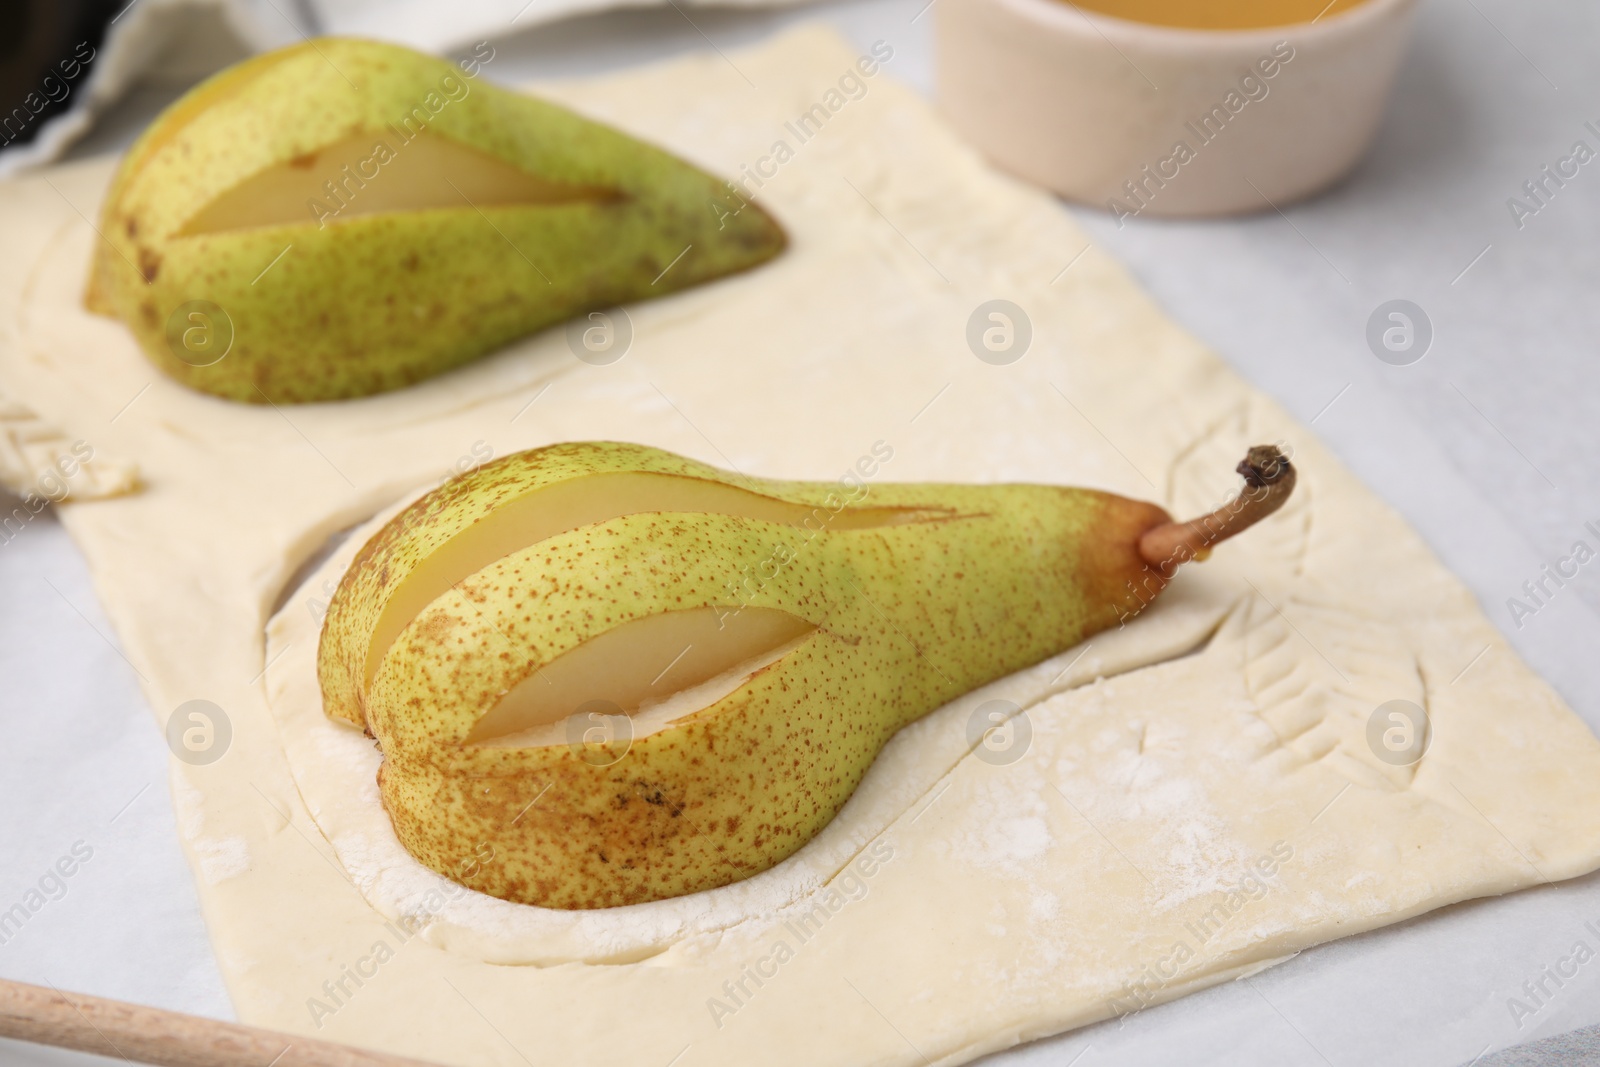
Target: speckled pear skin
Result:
[376, 302]
[908, 617]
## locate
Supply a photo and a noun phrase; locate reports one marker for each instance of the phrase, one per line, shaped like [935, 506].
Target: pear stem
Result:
[1269, 479]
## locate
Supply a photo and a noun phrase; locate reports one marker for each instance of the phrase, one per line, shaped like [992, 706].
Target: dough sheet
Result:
[1180, 802]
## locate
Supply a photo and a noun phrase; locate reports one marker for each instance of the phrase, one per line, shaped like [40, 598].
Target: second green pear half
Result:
[756, 641]
[343, 217]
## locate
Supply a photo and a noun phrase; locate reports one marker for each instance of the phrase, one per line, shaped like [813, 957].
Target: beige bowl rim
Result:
[1061, 15]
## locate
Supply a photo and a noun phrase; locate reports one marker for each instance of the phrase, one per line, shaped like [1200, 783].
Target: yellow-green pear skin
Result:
[342, 217]
[906, 596]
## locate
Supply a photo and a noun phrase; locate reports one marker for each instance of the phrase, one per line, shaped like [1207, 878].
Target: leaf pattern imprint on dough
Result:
[32, 449]
[1317, 671]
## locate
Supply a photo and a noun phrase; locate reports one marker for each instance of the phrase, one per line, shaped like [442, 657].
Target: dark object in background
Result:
[46, 49]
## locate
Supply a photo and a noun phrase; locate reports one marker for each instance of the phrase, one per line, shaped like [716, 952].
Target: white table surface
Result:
[1488, 445]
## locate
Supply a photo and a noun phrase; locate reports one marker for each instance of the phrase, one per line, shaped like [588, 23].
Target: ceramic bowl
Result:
[1142, 119]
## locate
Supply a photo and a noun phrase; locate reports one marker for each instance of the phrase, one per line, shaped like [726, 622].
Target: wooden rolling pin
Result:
[167, 1038]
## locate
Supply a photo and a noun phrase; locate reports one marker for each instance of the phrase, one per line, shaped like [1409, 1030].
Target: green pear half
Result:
[342, 217]
[627, 676]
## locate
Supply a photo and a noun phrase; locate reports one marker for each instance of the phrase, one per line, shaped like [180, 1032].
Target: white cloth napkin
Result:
[184, 40]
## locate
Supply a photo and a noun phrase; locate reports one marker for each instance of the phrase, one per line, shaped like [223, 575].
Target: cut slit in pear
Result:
[555, 509]
[656, 669]
[375, 173]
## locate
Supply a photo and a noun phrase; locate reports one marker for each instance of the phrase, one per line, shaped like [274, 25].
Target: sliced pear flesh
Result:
[543, 513]
[643, 666]
[377, 173]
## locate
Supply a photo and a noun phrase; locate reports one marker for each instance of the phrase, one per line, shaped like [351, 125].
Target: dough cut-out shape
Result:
[958, 904]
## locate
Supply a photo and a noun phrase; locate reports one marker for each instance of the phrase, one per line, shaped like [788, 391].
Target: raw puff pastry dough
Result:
[1120, 862]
